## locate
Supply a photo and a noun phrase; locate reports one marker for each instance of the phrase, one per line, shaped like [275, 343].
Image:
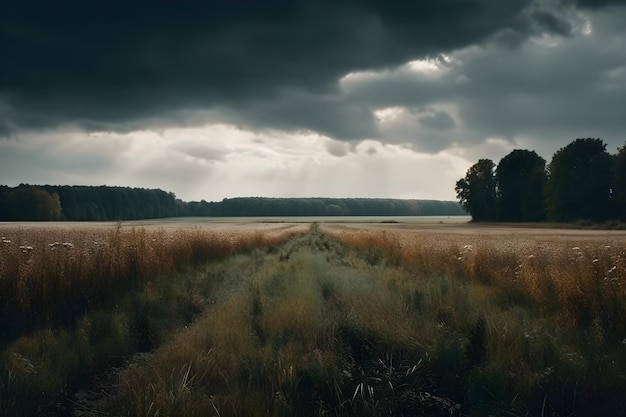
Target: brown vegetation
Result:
[578, 280]
[47, 277]
[345, 321]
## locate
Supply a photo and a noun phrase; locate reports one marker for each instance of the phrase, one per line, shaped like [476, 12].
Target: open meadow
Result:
[302, 318]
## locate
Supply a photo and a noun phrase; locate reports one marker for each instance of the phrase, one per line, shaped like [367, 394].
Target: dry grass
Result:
[386, 322]
[536, 318]
[301, 336]
[83, 299]
[392, 328]
[48, 276]
[580, 282]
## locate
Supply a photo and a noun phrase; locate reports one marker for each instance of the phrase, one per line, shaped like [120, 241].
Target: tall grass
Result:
[74, 301]
[47, 277]
[356, 323]
[581, 283]
[302, 336]
[542, 321]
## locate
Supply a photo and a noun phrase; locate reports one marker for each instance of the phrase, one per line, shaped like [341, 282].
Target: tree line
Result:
[77, 203]
[260, 206]
[582, 182]
[103, 203]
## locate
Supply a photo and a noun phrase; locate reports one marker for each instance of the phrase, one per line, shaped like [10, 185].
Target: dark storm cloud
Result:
[541, 93]
[305, 112]
[107, 65]
[595, 4]
[574, 89]
[437, 120]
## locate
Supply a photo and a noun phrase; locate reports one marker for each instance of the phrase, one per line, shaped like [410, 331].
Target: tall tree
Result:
[36, 204]
[580, 182]
[477, 190]
[521, 178]
[619, 182]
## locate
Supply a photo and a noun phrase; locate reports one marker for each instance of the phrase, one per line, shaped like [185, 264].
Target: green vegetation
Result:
[582, 182]
[257, 206]
[75, 301]
[343, 322]
[82, 203]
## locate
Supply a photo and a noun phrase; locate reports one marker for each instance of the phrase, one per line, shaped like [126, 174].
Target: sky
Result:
[301, 98]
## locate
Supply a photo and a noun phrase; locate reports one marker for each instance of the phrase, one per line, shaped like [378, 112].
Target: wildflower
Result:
[5, 240]
[68, 245]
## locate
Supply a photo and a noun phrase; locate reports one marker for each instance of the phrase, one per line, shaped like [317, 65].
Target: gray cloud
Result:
[331, 116]
[112, 66]
[595, 4]
[574, 88]
[518, 73]
[337, 148]
[437, 120]
[544, 92]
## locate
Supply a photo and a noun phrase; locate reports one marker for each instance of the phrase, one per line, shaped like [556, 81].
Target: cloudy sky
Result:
[291, 98]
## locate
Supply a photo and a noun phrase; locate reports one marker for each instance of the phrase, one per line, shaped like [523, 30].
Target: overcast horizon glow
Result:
[300, 100]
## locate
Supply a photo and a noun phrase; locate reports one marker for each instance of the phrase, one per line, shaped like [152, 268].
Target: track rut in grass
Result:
[304, 328]
[392, 326]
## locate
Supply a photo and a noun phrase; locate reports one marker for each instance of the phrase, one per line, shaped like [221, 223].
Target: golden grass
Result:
[581, 283]
[97, 296]
[384, 323]
[47, 277]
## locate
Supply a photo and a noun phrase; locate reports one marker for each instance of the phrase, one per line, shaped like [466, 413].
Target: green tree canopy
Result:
[619, 184]
[27, 202]
[521, 178]
[580, 182]
[477, 190]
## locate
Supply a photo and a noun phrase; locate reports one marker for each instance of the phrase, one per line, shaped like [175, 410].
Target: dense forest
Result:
[86, 203]
[582, 182]
[333, 207]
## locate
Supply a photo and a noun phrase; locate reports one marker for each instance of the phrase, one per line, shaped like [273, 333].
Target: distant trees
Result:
[582, 182]
[619, 186]
[260, 206]
[477, 190]
[521, 177]
[29, 203]
[39, 203]
[77, 203]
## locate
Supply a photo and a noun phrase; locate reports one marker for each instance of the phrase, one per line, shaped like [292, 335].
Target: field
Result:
[311, 319]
